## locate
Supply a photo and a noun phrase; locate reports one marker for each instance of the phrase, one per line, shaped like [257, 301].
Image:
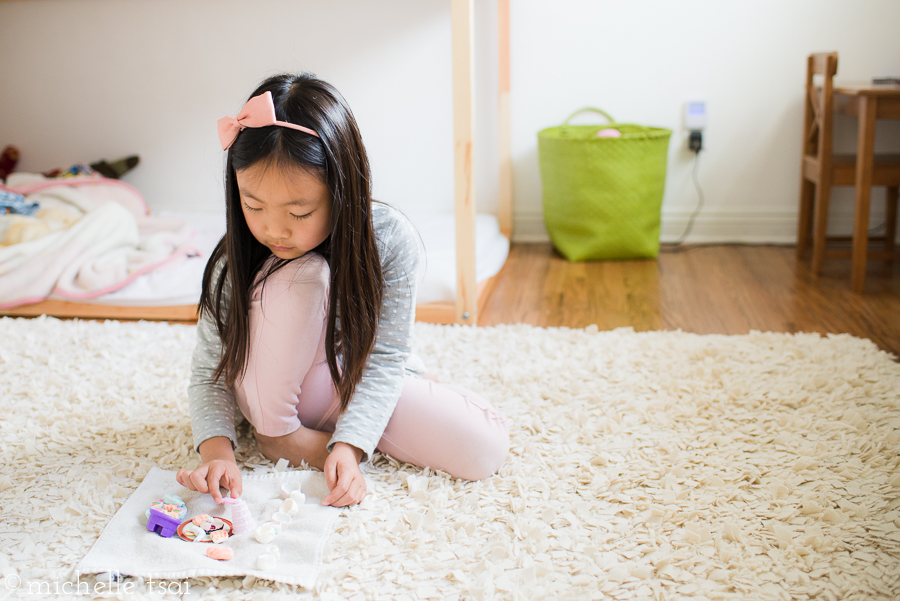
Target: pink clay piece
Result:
[242, 518]
[219, 552]
[219, 536]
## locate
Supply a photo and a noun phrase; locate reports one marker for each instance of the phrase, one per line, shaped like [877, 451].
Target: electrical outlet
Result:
[694, 122]
[695, 115]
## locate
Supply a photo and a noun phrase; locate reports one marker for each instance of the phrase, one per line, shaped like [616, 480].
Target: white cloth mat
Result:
[126, 546]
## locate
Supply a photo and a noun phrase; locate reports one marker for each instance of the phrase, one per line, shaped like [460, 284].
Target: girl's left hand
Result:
[345, 481]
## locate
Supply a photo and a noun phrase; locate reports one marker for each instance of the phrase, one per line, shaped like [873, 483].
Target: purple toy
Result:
[161, 523]
[165, 515]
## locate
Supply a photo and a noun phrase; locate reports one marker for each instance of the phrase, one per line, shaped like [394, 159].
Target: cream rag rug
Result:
[658, 465]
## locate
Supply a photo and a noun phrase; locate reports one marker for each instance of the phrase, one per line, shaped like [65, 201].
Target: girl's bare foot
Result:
[301, 444]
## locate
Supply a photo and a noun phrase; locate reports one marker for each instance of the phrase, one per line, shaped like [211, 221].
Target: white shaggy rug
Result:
[658, 466]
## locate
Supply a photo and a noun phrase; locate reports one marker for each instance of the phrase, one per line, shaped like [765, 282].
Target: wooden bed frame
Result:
[469, 295]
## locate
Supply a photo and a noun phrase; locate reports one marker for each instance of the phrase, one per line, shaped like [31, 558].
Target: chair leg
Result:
[804, 222]
[820, 223]
[890, 218]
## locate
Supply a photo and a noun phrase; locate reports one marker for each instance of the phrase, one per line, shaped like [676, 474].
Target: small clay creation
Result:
[266, 533]
[273, 551]
[266, 562]
[282, 518]
[290, 507]
[170, 505]
[199, 519]
[241, 516]
[165, 514]
[193, 531]
[289, 488]
[220, 552]
[298, 497]
[219, 536]
[203, 532]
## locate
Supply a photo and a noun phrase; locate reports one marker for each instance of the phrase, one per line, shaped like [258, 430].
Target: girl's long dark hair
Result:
[339, 158]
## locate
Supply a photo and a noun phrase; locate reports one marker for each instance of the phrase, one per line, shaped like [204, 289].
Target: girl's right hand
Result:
[212, 475]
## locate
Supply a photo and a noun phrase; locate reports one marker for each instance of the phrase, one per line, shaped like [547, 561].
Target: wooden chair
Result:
[821, 168]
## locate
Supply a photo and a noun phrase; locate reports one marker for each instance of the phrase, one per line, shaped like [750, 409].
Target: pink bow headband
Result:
[258, 112]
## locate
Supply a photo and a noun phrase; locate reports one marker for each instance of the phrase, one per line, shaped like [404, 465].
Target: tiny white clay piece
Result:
[194, 531]
[265, 533]
[282, 518]
[273, 551]
[290, 507]
[266, 562]
[282, 465]
[298, 497]
[289, 488]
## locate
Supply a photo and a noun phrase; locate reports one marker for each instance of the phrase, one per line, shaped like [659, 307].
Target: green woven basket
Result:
[602, 196]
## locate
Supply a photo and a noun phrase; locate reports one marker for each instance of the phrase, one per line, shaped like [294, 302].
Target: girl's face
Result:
[289, 212]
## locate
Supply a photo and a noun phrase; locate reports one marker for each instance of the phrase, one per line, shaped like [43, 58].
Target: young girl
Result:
[307, 311]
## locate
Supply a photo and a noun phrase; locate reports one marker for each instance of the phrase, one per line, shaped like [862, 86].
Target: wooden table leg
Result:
[890, 218]
[865, 148]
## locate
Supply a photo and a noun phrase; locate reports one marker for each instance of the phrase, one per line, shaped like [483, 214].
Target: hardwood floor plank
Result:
[702, 289]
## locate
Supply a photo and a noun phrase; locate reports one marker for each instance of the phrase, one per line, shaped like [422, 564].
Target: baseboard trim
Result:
[737, 227]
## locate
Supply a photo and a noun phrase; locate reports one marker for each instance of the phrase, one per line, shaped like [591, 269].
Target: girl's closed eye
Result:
[249, 208]
[301, 216]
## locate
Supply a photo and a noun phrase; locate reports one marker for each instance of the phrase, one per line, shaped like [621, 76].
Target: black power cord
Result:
[695, 144]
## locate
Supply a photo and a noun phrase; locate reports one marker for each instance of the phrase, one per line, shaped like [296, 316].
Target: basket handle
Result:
[589, 108]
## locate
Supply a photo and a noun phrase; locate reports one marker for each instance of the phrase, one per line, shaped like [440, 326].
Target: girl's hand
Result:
[345, 481]
[219, 469]
[212, 475]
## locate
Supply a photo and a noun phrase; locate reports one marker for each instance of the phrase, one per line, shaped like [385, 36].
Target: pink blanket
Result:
[91, 236]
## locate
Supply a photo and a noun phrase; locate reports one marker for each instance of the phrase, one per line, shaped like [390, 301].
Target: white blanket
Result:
[91, 237]
[127, 547]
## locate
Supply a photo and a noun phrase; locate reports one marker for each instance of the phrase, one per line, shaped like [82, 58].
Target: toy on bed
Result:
[165, 515]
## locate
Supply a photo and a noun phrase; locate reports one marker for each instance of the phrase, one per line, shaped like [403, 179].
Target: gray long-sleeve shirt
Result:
[212, 403]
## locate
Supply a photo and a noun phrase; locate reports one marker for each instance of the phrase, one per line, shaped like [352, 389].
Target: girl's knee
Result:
[485, 453]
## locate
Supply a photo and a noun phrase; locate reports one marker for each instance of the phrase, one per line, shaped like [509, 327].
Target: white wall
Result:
[641, 60]
[85, 79]
[106, 78]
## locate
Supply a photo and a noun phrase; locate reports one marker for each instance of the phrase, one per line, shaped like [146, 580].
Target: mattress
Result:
[179, 282]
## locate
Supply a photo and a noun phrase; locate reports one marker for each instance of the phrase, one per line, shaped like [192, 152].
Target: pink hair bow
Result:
[258, 112]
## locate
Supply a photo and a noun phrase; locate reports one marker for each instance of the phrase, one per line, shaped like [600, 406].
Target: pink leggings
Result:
[288, 384]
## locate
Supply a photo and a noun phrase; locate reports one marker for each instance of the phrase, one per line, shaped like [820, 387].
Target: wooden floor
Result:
[700, 289]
